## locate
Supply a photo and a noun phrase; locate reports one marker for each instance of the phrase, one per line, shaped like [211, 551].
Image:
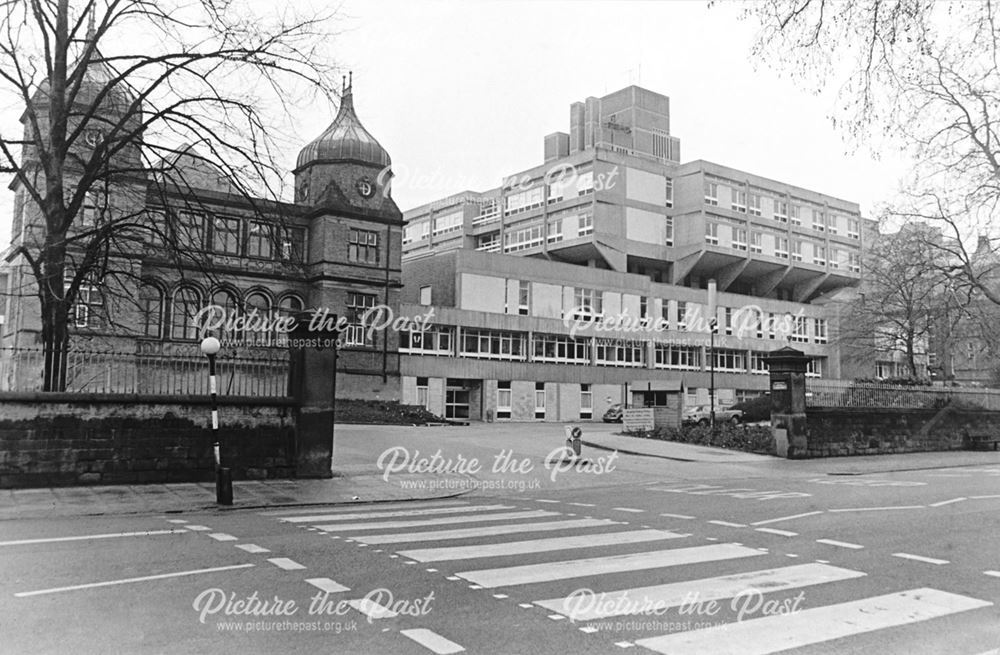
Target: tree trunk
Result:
[55, 318]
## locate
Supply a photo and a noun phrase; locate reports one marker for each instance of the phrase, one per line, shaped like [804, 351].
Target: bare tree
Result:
[921, 75]
[209, 82]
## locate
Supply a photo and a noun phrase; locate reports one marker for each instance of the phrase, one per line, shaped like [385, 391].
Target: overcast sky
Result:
[462, 93]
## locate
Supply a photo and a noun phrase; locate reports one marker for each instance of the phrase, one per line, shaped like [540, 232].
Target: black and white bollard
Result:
[223, 476]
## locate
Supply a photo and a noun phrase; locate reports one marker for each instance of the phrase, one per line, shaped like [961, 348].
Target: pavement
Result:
[358, 480]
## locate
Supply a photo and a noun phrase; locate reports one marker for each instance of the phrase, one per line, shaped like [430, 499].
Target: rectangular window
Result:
[539, 401]
[835, 256]
[260, 240]
[586, 402]
[712, 194]
[620, 352]
[88, 309]
[587, 303]
[416, 232]
[357, 305]
[555, 232]
[795, 215]
[503, 400]
[682, 308]
[796, 250]
[523, 239]
[293, 245]
[781, 211]
[555, 192]
[730, 360]
[739, 201]
[489, 210]
[585, 183]
[781, 247]
[831, 223]
[422, 398]
[669, 232]
[425, 295]
[819, 220]
[448, 223]
[728, 320]
[712, 233]
[190, 231]
[819, 255]
[799, 330]
[854, 262]
[755, 204]
[362, 246]
[559, 349]
[814, 368]
[757, 363]
[669, 192]
[739, 238]
[853, 228]
[643, 306]
[430, 340]
[585, 224]
[683, 358]
[523, 297]
[488, 242]
[492, 344]
[226, 235]
[756, 242]
[819, 330]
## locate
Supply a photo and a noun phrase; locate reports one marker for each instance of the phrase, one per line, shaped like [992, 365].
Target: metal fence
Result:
[845, 393]
[263, 373]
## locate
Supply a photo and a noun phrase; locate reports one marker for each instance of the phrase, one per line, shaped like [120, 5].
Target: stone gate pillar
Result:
[787, 367]
[312, 382]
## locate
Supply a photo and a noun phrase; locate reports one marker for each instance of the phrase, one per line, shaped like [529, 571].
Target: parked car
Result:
[702, 415]
[614, 413]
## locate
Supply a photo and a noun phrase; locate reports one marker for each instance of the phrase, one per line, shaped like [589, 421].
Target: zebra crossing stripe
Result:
[371, 609]
[356, 506]
[545, 572]
[379, 515]
[432, 641]
[327, 585]
[485, 531]
[586, 607]
[385, 525]
[536, 545]
[777, 633]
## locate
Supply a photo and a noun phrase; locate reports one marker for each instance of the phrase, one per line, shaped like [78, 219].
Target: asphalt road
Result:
[752, 556]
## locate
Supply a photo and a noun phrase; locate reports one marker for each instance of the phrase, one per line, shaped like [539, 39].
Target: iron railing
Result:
[845, 393]
[262, 373]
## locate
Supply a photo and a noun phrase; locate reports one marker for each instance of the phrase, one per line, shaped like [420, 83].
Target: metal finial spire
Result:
[343, 83]
[350, 79]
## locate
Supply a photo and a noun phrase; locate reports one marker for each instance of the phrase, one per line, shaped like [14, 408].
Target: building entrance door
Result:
[456, 403]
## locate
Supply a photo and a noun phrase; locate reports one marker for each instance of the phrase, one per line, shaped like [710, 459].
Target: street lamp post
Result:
[223, 476]
[713, 324]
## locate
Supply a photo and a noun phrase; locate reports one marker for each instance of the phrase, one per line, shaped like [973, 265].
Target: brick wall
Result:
[854, 431]
[65, 439]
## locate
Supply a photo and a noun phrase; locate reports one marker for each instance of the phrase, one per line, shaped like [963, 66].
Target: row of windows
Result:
[563, 349]
[231, 235]
[741, 201]
[739, 241]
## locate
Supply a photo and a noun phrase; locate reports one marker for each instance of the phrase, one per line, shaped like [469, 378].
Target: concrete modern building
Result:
[612, 223]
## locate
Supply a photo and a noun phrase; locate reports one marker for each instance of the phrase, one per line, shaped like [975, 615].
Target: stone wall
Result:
[858, 431]
[64, 439]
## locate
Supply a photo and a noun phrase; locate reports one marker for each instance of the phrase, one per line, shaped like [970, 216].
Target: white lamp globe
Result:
[210, 346]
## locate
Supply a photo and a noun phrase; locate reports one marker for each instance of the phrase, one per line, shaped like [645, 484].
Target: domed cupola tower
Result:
[345, 166]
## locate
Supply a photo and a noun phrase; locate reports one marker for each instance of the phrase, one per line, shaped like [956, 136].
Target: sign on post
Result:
[636, 420]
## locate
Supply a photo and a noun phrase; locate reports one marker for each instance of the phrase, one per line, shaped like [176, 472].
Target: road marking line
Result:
[823, 561]
[353, 507]
[875, 509]
[624, 644]
[589, 629]
[501, 596]
[629, 509]
[583, 504]
[948, 502]
[177, 521]
[920, 558]
[792, 555]
[319, 518]
[452, 577]
[371, 609]
[197, 528]
[841, 544]
[639, 599]
[432, 641]
[432, 570]
[728, 524]
[556, 617]
[485, 531]
[772, 634]
[786, 518]
[327, 585]
[384, 525]
[983, 497]
[161, 576]
[995, 574]
[542, 500]
[285, 563]
[548, 571]
[677, 516]
[536, 545]
[112, 535]
[222, 536]
[253, 548]
[526, 606]
[783, 533]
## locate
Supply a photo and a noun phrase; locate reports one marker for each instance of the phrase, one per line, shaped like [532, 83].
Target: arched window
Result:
[258, 312]
[225, 299]
[151, 310]
[185, 305]
[287, 306]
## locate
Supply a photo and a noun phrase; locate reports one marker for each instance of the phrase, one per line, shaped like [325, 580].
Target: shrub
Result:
[748, 438]
[755, 409]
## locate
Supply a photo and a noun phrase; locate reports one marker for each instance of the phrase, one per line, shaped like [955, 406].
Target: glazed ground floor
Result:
[487, 391]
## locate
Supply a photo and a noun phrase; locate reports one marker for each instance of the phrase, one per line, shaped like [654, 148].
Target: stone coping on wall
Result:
[71, 398]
